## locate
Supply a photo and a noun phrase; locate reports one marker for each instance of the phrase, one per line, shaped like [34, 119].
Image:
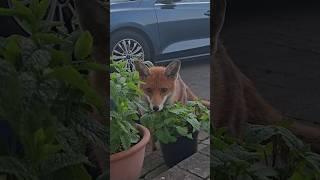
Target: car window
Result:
[118, 1]
[187, 1]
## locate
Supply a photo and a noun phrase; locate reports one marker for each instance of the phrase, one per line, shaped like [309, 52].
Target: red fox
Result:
[163, 85]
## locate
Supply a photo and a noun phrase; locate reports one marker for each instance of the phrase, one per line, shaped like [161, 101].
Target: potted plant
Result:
[46, 101]
[127, 139]
[176, 127]
[265, 152]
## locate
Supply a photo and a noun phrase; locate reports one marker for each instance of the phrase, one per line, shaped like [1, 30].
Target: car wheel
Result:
[58, 10]
[130, 46]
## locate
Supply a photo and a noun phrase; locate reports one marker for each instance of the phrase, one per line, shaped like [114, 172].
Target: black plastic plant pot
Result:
[173, 153]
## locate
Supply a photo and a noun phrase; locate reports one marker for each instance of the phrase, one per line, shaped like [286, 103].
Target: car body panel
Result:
[177, 30]
[183, 27]
[137, 15]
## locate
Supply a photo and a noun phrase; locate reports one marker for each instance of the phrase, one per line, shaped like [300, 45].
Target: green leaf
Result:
[104, 176]
[24, 12]
[38, 60]
[47, 25]
[313, 159]
[123, 127]
[189, 136]
[39, 137]
[59, 161]
[49, 149]
[10, 92]
[297, 176]
[92, 66]
[69, 75]
[42, 9]
[183, 131]
[219, 144]
[194, 123]
[177, 111]
[60, 57]
[14, 166]
[92, 130]
[49, 38]
[290, 139]
[258, 133]
[165, 137]
[205, 126]
[77, 172]
[125, 141]
[12, 50]
[34, 5]
[83, 46]
[8, 12]
[261, 170]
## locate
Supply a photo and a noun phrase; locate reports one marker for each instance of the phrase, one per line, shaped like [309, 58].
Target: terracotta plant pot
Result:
[127, 165]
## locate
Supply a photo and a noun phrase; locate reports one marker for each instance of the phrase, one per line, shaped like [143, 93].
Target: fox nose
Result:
[155, 108]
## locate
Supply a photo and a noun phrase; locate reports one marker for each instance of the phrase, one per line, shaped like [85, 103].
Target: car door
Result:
[184, 27]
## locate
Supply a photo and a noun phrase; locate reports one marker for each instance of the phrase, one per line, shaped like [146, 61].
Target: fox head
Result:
[159, 83]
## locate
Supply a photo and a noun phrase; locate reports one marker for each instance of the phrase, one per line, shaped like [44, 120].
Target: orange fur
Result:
[163, 85]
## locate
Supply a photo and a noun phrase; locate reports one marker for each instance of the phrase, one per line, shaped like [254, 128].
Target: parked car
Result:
[159, 30]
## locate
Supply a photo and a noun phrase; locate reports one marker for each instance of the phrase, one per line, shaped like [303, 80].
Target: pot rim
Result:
[142, 143]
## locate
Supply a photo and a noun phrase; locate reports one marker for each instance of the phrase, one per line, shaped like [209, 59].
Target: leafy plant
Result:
[46, 100]
[125, 94]
[267, 152]
[177, 120]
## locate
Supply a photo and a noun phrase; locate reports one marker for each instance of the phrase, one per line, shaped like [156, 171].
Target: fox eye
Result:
[149, 90]
[164, 90]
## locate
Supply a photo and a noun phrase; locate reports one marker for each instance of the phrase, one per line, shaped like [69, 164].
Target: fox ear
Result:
[173, 69]
[142, 69]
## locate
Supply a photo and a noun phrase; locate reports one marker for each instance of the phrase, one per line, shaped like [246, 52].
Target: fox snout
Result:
[156, 103]
[157, 108]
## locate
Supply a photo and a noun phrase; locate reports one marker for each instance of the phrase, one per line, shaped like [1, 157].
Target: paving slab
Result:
[154, 164]
[202, 135]
[196, 74]
[197, 164]
[156, 172]
[151, 162]
[205, 151]
[176, 173]
[207, 141]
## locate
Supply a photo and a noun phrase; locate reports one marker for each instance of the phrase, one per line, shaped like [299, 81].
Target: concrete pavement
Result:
[196, 75]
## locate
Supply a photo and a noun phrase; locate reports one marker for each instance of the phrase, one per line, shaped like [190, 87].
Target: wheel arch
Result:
[140, 32]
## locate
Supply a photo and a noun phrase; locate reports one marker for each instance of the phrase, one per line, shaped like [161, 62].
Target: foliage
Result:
[125, 94]
[177, 120]
[267, 152]
[47, 100]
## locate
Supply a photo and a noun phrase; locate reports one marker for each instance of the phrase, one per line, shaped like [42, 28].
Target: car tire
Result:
[132, 35]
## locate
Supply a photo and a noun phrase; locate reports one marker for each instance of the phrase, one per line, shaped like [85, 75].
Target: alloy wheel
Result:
[129, 50]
